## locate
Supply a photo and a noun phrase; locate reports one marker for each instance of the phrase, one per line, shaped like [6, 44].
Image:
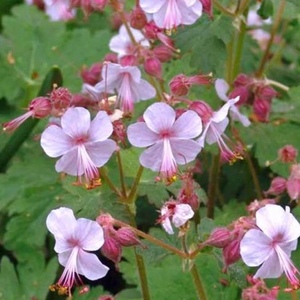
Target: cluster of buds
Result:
[291, 185]
[89, 6]
[259, 290]
[115, 239]
[256, 93]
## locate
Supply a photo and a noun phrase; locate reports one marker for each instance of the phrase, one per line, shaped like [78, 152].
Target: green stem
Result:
[274, 28]
[131, 196]
[121, 173]
[223, 9]
[229, 62]
[198, 283]
[213, 185]
[152, 239]
[103, 174]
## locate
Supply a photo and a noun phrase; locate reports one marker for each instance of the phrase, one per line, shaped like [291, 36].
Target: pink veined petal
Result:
[215, 131]
[61, 223]
[222, 88]
[126, 95]
[201, 140]
[144, 90]
[89, 234]
[55, 142]
[90, 266]
[68, 163]
[168, 16]
[255, 248]
[188, 3]
[184, 151]
[101, 152]
[271, 268]
[101, 127]
[187, 126]
[167, 226]
[190, 12]
[150, 6]
[183, 213]
[75, 122]
[152, 157]
[159, 117]
[277, 224]
[222, 113]
[139, 135]
[168, 164]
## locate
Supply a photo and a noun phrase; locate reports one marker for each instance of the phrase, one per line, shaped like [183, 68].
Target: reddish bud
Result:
[111, 248]
[207, 7]
[278, 186]
[92, 75]
[127, 237]
[41, 107]
[105, 220]
[287, 154]
[244, 93]
[112, 57]
[293, 188]
[179, 85]
[138, 18]
[220, 237]
[163, 53]
[106, 297]
[99, 5]
[151, 31]
[128, 60]
[262, 109]
[242, 80]
[61, 98]
[202, 109]
[231, 252]
[119, 131]
[152, 66]
[266, 92]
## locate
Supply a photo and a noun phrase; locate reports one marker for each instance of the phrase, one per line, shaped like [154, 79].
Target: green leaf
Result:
[266, 9]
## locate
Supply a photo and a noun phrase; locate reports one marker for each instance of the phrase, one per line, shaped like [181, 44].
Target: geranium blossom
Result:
[73, 239]
[222, 88]
[169, 139]
[126, 81]
[176, 213]
[169, 14]
[83, 145]
[272, 243]
[122, 43]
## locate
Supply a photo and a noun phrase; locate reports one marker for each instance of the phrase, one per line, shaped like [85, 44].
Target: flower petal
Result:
[187, 126]
[75, 122]
[185, 151]
[150, 6]
[277, 223]
[90, 266]
[69, 163]
[222, 113]
[139, 135]
[100, 152]
[101, 127]
[167, 226]
[89, 234]
[55, 142]
[183, 213]
[255, 247]
[152, 157]
[159, 117]
[222, 88]
[144, 90]
[61, 223]
[215, 130]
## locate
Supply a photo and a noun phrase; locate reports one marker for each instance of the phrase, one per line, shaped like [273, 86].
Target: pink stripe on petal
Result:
[168, 165]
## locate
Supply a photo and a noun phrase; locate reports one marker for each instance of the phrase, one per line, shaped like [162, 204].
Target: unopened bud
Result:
[112, 249]
[152, 66]
[278, 186]
[127, 237]
[231, 252]
[262, 109]
[179, 85]
[202, 109]
[92, 75]
[293, 188]
[163, 53]
[41, 107]
[219, 238]
[207, 7]
[138, 18]
[287, 154]
[61, 98]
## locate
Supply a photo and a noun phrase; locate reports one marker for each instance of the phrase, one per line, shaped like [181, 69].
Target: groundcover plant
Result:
[149, 149]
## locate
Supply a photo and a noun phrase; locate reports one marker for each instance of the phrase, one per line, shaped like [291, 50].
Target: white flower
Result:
[272, 243]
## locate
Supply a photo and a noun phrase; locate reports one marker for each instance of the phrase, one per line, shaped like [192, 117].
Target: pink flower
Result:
[127, 81]
[272, 243]
[169, 139]
[59, 10]
[222, 88]
[83, 145]
[176, 213]
[169, 14]
[122, 43]
[73, 239]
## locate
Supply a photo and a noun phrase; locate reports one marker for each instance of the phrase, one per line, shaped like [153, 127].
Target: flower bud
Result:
[127, 237]
[41, 107]
[293, 188]
[287, 154]
[138, 18]
[152, 66]
[61, 98]
[278, 186]
[262, 109]
[92, 75]
[231, 252]
[244, 93]
[202, 109]
[111, 249]
[219, 238]
[179, 85]
[207, 7]
[163, 53]
[99, 5]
